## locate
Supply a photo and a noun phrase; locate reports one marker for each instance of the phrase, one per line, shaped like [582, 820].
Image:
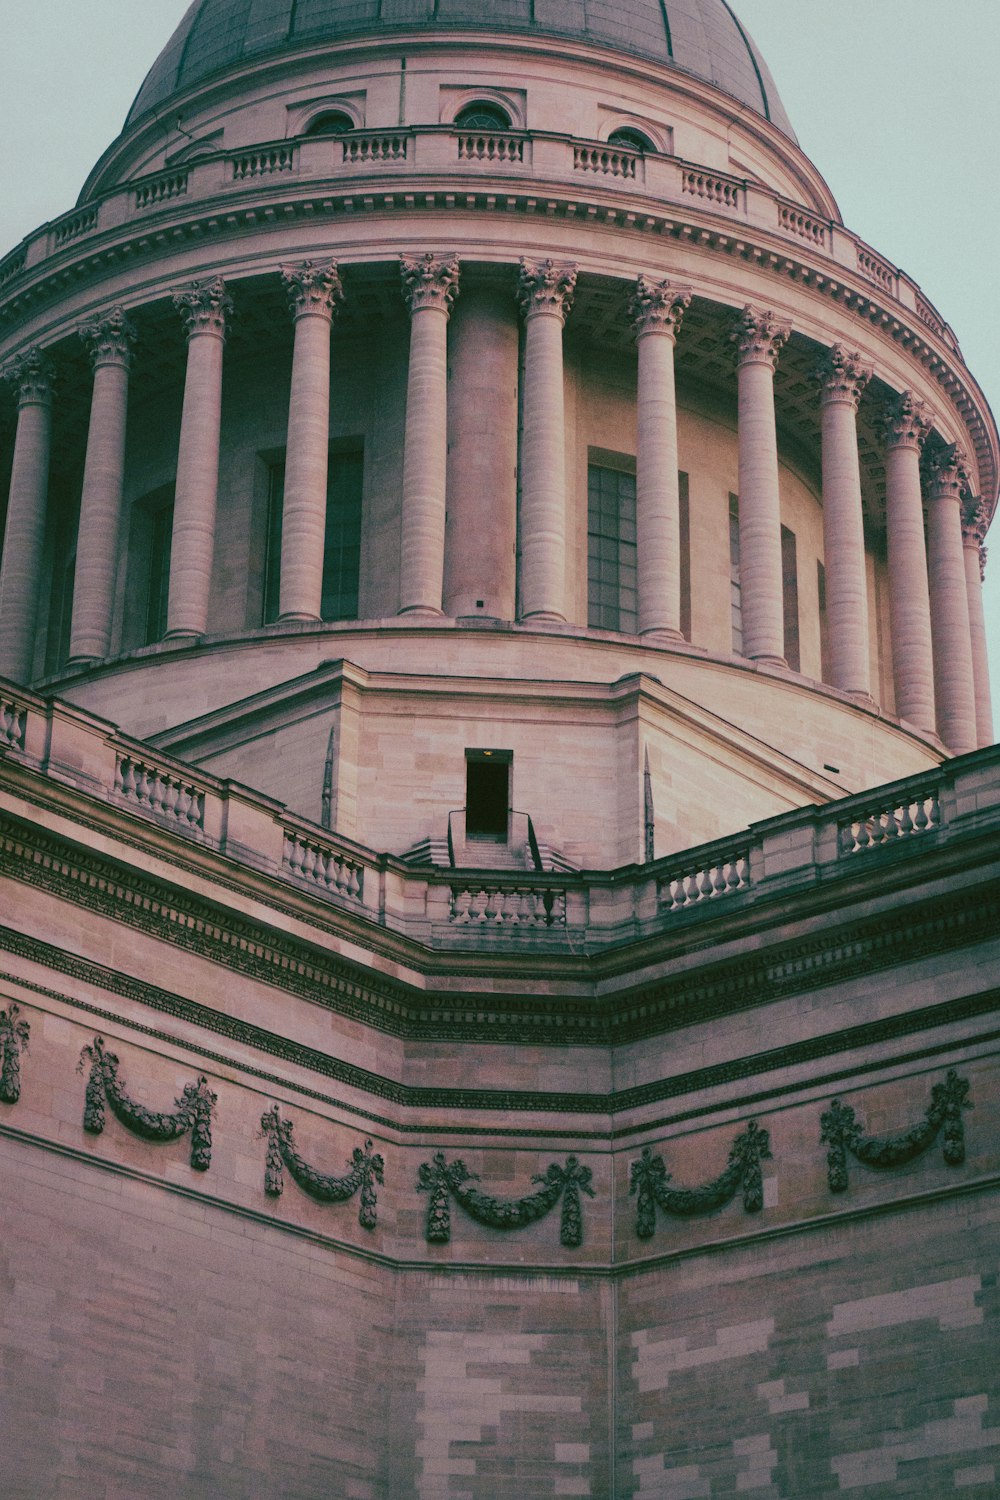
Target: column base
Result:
[298, 617]
[421, 612]
[542, 617]
[661, 635]
[183, 635]
[82, 661]
[766, 660]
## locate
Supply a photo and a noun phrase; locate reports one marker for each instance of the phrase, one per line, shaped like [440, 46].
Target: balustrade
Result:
[13, 724]
[688, 886]
[161, 189]
[609, 160]
[360, 150]
[490, 147]
[712, 186]
[325, 868]
[158, 791]
[917, 811]
[263, 162]
[75, 225]
[488, 904]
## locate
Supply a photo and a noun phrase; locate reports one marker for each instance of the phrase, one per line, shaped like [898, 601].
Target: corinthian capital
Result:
[657, 306]
[947, 471]
[313, 287]
[109, 339]
[429, 280]
[545, 286]
[758, 336]
[32, 376]
[204, 306]
[975, 520]
[843, 375]
[905, 422]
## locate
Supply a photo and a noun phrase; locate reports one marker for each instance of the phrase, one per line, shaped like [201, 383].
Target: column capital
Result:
[947, 470]
[843, 375]
[758, 336]
[313, 287]
[544, 286]
[905, 421]
[429, 281]
[657, 306]
[975, 524]
[204, 307]
[109, 338]
[32, 375]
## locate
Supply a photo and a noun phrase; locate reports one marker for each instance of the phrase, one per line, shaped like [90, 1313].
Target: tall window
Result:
[735, 587]
[611, 552]
[161, 529]
[790, 598]
[685, 558]
[341, 542]
[824, 639]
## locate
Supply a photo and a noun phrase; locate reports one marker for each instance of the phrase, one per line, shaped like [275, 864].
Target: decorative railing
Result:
[929, 317]
[75, 225]
[490, 147]
[712, 186]
[876, 269]
[263, 162]
[806, 226]
[161, 792]
[720, 873]
[13, 724]
[361, 149]
[161, 189]
[13, 265]
[485, 903]
[916, 811]
[610, 160]
[325, 867]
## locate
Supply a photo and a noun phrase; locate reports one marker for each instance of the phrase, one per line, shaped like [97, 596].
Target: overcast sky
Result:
[896, 101]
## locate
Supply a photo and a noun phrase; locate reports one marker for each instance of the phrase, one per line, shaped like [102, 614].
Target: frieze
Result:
[14, 1035]
[649, 1179]
[365, 1170]
[443, 1180]
[192, 1114]
[843, 1133]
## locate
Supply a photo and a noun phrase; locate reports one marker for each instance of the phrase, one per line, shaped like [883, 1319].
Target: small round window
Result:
[482, 116]
[632, 140]
[334, 122]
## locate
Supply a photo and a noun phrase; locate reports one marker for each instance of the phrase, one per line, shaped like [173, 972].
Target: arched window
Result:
[482, 116]
[334, 122]
[632, 140]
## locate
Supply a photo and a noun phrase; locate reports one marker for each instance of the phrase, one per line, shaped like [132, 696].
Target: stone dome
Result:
[701, 37]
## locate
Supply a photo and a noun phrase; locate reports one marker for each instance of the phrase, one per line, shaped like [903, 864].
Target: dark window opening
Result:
[482, 116]
[790, 597]
[632, 140]
[735, 587]
[611, 550]
[161, 529]
[824, 639]
[334, 122]
[685, 558]
[487, 794]
[341, 542]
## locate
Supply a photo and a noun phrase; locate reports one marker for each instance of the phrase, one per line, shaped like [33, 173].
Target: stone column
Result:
[975, 520]
[109, 341]
[758, 337]
[905, 428]
[843, 376]
[203, 307]
[430, 286]
[656, 309]
[20, 579]
[954, 684]
[545, 291]
[314, 290]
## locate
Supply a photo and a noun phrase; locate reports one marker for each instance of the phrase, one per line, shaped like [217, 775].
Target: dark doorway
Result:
[487, 793]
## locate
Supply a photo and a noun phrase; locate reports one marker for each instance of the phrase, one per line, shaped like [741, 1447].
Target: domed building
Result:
[496, 728]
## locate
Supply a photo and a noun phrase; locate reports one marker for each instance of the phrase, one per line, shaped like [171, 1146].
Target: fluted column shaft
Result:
[203, 307]
[546, 295]
[843, 376]
[430, 286]
[974, 523]
[909, 599]
[656, 309]
[759, 336]
[109, 342]
[314, 291]
[24, 537]
[954, 684]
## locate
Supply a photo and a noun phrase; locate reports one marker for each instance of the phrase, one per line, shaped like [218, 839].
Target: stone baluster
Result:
[314, 290]
[655, 310]
[545, 291]
[109, 342]
[905, 428]
[430, 286]
[843, 376]
[759, 337]
[975, 520]
[204, 308]
[31, 375]
[954, 684]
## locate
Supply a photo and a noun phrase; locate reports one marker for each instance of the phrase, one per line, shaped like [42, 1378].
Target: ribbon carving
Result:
[14, 1035]
[193, 1112]
[649, 1179]
[446, 1180]
[842, 1132]
[364, 1172]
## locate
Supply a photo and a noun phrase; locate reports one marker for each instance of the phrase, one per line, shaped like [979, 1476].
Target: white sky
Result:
[896, 101]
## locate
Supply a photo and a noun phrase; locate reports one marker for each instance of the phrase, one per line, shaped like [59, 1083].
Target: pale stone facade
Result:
[495, 791]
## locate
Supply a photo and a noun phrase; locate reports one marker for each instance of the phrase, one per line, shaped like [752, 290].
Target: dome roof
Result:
[703, 37]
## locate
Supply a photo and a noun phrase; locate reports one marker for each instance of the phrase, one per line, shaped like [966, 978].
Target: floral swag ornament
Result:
[366, 1167]
[446, 1180]
[843, 1133]
[649, 1180]
[193, 1112]
[14, 1035]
